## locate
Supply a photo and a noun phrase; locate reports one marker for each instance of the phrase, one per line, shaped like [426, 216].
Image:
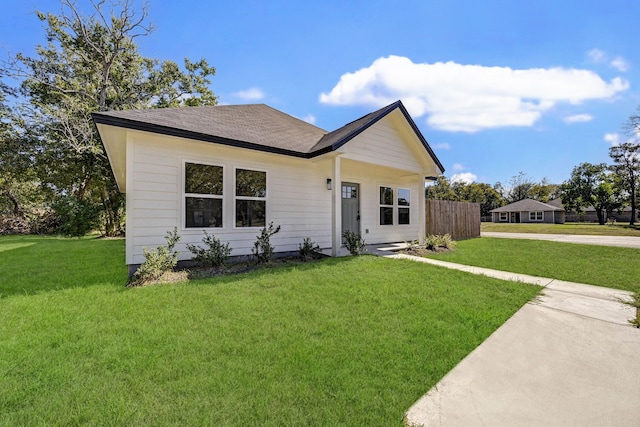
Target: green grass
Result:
[350, 341]
[597, 265]
[620, 229]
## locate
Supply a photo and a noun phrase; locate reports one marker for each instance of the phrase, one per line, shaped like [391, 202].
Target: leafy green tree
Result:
[441, 190]
[92, 63]
[544, 191]
[591, 185]
[458, 191]
[626, 159]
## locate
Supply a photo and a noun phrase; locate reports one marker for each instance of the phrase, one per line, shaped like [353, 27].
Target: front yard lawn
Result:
[350, 341]
[596, 265]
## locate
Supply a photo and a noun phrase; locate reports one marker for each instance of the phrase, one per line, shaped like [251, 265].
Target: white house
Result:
[232, 169]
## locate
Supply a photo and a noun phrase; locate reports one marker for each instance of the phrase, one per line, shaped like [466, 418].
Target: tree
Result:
[459, 191]
[91, 63]
[626, 158]
[591, 185]
[544, 191]
[519, 187]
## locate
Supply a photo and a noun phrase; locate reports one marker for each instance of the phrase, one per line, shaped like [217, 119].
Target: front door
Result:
[350, 208]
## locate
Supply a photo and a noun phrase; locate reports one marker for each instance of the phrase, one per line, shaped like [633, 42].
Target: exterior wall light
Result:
[329, 186]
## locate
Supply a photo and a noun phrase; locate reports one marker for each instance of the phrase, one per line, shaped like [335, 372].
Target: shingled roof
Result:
[253, 126]
[527, 205]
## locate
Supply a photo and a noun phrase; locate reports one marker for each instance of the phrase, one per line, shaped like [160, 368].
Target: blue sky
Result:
[496, 87]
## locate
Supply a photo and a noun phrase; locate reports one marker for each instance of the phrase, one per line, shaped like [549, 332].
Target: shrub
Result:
[262, 249]
[76, 217]
[308, 249]
[158, 261]
[434, 242]
[214, 255]
[354, 242]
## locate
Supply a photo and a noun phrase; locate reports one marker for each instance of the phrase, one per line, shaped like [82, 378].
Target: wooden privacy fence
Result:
[459, 219]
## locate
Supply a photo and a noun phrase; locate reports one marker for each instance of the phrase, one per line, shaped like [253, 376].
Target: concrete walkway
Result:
[569, 358]
[622, 241]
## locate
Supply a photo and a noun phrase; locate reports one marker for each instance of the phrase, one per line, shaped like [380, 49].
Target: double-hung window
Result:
[251, 198]
[203, 195]
[404, 201]
[386, 206]
[535, 216]
[395, 203]
[504, 217]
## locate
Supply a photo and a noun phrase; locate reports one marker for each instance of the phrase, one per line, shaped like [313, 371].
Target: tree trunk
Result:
[600, 214]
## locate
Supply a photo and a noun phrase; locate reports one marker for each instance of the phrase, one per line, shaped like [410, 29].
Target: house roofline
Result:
[181, 133]
[381, 114]
[109, 120]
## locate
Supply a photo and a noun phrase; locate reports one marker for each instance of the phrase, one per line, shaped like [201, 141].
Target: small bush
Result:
[214, 254]
[308, 249]
[262, 249]
[434, 242]
[158, 261]
[354, 242]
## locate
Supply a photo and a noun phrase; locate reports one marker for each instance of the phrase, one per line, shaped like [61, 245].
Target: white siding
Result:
[297, 198]
[386, 143]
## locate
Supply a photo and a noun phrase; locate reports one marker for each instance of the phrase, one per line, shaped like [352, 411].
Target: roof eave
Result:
[181, 133]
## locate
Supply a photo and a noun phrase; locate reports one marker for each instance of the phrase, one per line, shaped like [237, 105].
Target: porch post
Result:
[422, 216]
[336, 208]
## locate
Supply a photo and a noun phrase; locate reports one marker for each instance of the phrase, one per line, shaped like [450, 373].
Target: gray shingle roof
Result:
[253, 126]
[527, 205]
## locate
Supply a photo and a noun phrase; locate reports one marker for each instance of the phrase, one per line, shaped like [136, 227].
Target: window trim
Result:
[265, 198]
[391, 206]
[183, 185]
[535, 216]
[504, 216]
[399, 206]
[395, 207]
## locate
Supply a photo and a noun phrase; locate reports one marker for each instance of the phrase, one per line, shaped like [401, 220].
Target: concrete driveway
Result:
[622, 241]
[569, 358]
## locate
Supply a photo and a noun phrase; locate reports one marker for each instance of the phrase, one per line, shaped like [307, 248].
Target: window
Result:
[386, 206]
[203, 195]
[504, 216]
[535, 216]
[251, 198]
[404, 200]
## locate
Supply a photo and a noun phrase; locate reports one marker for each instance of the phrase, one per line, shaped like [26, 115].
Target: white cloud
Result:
[598, 56]
[612, 138]
[441, 146]
[466, 177]
[458, 167]
[469, 98]
[578, 118]
[620, 64]
[251, 94]
[310, 118]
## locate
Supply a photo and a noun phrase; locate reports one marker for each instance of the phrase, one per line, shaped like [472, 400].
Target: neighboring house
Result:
[529, 210]
[232, 169]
